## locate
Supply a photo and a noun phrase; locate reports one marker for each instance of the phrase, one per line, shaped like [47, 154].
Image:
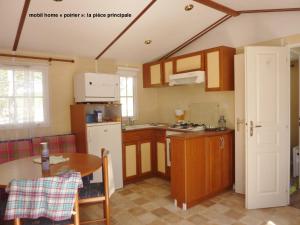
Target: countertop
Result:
[184, 133]
[190, 135]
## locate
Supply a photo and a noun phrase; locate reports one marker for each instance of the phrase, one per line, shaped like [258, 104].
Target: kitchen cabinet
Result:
[189, 62]
[146, 157]
[202, 166]
[144, 154]
[152, 74]
[137, 154]
[161, 157]
[161, 154]
[130, 163]
[218, 64]
[168, 69]
[219, 67]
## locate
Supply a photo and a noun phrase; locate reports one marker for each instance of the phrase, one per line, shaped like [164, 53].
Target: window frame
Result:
[40, 67]
[130, 72]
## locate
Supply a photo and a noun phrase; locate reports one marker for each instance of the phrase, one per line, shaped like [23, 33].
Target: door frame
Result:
[290, 46]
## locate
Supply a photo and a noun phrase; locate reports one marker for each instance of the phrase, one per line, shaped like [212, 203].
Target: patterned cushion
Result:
[36, 145]
[67, 143]
[4, 152]
[11, 150]
[20, 149]
[53, 143]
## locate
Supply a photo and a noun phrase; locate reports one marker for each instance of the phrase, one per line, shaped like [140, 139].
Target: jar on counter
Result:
[222, 123]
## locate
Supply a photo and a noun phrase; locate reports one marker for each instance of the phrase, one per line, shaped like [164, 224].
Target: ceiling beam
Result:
[132, 22]
[194, 38]
[21, 23]
[36, 57]
[218, 7]
[269, 10]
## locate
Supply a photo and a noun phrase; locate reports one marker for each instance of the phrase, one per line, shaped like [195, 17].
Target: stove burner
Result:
[188, 126]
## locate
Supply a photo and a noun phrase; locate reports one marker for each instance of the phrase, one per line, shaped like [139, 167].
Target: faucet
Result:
[130, 121]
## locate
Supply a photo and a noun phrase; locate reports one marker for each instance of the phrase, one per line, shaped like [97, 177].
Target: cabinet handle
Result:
[222, 142]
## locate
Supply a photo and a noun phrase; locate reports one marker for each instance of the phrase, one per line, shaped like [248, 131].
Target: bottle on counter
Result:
[222, 123]
[45, 157]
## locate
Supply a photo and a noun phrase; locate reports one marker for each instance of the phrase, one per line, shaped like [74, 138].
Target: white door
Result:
[267, 105]
[239, 98]
[108, 136]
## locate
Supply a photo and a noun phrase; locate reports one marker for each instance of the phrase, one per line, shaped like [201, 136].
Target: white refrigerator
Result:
[107, 135]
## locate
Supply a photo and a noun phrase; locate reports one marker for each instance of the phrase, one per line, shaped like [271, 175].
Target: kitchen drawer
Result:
[136, 135]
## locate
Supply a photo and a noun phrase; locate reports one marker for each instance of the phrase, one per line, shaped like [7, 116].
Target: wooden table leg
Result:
[76, 208]
[17, 221]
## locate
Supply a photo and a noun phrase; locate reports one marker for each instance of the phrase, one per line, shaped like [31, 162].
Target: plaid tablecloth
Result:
[50, 197]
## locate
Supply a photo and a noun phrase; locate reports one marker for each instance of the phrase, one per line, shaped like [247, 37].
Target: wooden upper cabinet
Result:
[168, 69]
[189, 62]
[217, 62]
[219, 67]
[152, 74]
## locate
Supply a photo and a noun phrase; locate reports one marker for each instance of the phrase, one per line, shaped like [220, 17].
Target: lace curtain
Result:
[23, 97]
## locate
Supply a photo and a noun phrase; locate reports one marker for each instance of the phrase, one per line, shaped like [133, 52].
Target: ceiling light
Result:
[188, 7]
[58, 0]
[147, 42]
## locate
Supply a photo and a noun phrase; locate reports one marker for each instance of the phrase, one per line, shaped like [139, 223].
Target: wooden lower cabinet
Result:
[146, 157]
[144, 154]
[202, 166]
[161, 157]
[130, 162]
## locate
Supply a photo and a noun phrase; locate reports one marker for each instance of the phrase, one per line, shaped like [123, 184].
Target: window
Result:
[23, 96]
[128, 95]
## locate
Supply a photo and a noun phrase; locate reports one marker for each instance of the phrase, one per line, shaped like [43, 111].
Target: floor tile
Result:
[149, 203]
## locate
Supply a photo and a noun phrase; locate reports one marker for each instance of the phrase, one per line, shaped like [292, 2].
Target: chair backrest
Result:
[38, 200]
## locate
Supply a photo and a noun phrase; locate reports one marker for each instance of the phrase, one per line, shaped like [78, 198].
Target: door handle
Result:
[252, 126]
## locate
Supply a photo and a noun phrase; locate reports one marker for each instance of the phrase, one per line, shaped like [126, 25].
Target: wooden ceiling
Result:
[165, 22]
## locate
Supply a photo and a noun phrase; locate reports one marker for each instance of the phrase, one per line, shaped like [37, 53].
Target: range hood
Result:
[195, 77]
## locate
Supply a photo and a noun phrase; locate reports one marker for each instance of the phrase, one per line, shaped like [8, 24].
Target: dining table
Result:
[26, 168]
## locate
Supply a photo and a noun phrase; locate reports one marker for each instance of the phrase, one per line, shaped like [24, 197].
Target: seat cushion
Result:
[91, 190]
[44, 221]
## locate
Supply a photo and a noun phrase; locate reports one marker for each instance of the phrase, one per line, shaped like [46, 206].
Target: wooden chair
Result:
[102, 193]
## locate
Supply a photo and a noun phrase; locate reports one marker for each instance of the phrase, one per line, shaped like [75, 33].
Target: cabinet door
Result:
[161, 157]
[215, 163]
[146, 157]
[189, 63]
[168, 70]
[155, 74]
[227, 159]
[130, 154]
[213, 70]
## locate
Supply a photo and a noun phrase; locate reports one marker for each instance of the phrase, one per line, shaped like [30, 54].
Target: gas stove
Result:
[188, 126]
